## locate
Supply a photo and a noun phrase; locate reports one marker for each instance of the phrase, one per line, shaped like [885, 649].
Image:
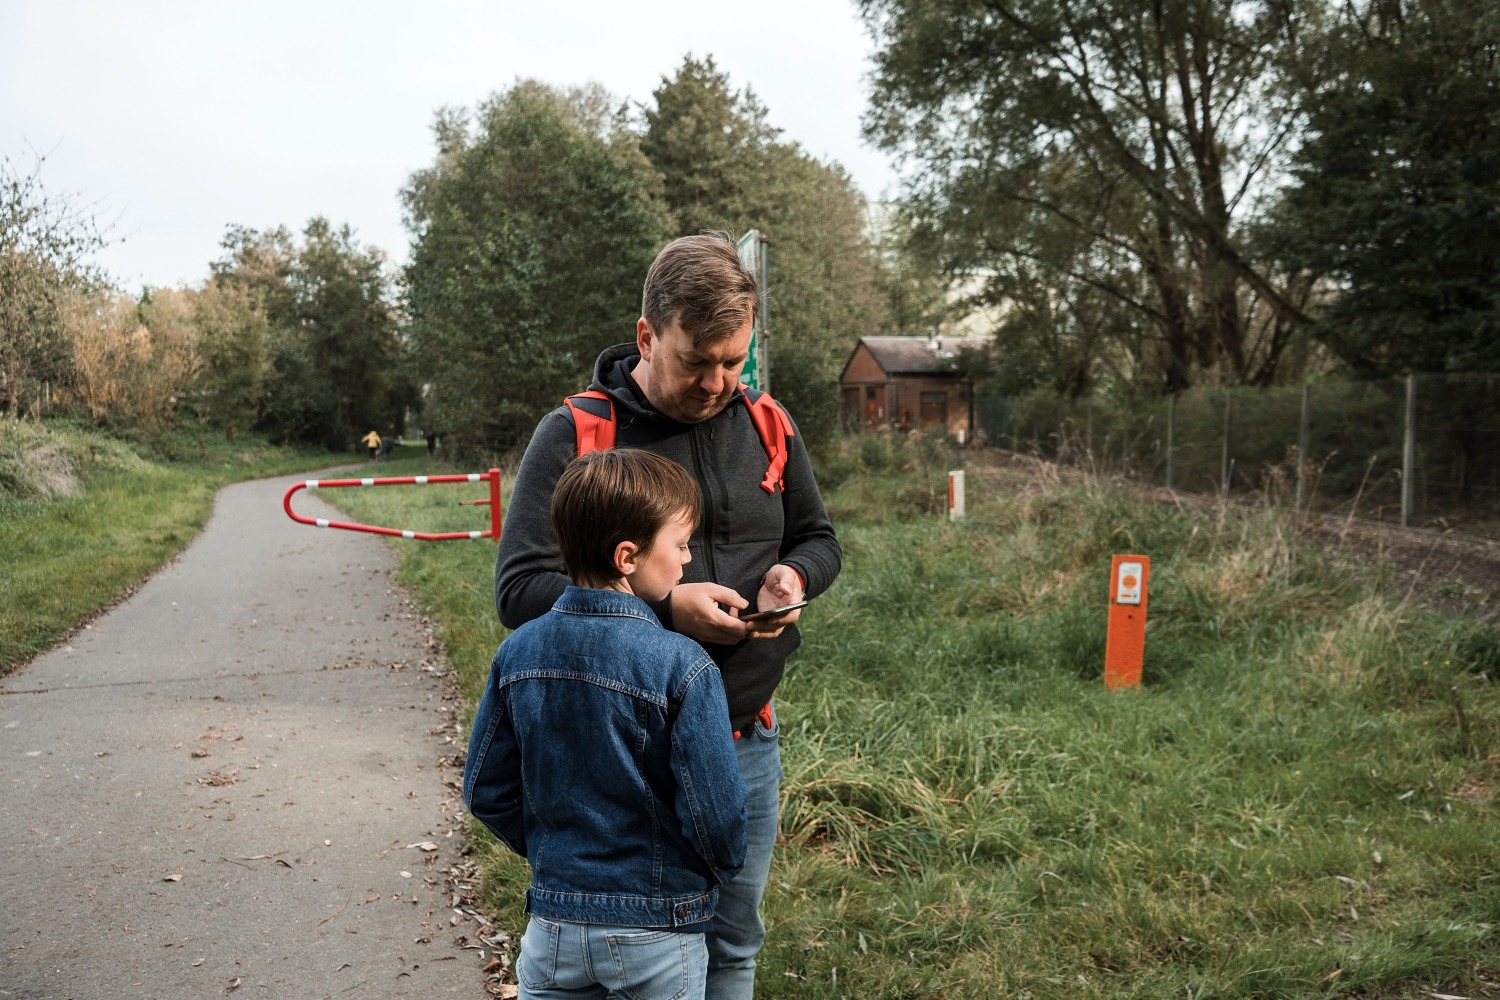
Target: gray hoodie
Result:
[742, 532]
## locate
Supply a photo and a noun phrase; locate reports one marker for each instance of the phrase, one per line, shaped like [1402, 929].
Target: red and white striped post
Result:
[496, 514]
[956, 495]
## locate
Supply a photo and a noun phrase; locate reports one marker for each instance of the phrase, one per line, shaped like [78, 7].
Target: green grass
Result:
[453, 580]
[1297, 803]
[85, 516]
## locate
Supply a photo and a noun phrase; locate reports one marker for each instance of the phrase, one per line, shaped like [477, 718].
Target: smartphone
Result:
[761, 616]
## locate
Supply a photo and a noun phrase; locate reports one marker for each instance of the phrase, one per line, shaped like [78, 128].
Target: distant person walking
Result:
[386, 440]
[372, 441]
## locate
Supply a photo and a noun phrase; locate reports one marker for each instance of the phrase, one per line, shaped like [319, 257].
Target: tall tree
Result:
[1397, 193]
[725, 168]
[234, 343]
[1142, 132]
[336, 356]
[532, 232]
[710, 143]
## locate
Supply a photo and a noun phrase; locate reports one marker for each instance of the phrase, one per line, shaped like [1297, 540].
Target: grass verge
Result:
[84, 517]
[1299, 802]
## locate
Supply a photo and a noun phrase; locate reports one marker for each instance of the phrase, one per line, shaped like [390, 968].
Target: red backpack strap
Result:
[593, 420]
[774, 427]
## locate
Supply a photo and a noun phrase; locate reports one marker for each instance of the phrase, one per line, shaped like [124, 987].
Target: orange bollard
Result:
[1125, 641]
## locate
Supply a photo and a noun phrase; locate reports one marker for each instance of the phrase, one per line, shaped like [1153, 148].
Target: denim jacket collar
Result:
[591, 601]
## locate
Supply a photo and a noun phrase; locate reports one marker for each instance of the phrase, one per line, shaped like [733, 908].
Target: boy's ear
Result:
[626, 554]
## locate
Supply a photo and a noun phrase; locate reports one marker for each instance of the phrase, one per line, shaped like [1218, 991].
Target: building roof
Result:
[919, 355]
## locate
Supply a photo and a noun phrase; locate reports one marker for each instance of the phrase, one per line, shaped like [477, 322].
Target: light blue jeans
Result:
[561, 960]
[738, 930]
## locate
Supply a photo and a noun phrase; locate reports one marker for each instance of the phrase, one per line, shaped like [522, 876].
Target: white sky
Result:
[171, 120]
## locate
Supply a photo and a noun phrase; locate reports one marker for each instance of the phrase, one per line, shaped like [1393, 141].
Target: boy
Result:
[602, 752]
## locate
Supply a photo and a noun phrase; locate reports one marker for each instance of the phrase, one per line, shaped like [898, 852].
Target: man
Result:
[762, 542]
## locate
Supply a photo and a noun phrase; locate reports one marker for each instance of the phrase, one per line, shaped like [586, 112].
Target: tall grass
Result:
[1298, 801]
[85, 516]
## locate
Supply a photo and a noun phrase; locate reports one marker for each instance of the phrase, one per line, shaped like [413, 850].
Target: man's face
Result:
[687, 383]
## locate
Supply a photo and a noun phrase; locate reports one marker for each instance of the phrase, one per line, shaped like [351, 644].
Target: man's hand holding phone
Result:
[779, 602]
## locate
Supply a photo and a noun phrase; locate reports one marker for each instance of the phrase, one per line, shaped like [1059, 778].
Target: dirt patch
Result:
[1452, 573]
[53, 471]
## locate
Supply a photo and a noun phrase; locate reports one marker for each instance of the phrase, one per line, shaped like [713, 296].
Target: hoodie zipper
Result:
[703, 469]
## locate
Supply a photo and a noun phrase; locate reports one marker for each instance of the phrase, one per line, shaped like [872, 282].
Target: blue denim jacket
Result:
[602, 754]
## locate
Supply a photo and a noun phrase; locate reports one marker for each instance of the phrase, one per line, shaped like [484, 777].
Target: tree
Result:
[45, 243]
[234, 344]
[1397, 194]
[335, 353]
[1113, 146]
[532, 233]
[725, 169]
[133, 360]
[711, 145]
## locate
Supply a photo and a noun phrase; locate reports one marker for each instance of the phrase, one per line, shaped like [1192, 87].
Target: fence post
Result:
[1088, 429]
[1408, 449]
[1171, 434]
[1301, 455]
[1224, 455]
[1125, 437]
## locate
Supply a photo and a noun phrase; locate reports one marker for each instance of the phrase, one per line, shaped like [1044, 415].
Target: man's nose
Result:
[713, 382]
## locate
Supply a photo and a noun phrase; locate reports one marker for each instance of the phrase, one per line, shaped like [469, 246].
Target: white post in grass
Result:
[956, 495]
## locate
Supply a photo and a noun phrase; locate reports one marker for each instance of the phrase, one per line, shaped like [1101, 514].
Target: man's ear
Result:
[643, 338]
[625, 556]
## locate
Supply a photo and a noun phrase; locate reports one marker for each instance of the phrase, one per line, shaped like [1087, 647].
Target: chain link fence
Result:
[1421, 451]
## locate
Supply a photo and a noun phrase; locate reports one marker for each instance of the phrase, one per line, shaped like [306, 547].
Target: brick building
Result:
[911, 383]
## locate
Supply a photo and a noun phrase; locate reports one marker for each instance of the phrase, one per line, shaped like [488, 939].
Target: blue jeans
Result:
[561, 960]
[738, 930]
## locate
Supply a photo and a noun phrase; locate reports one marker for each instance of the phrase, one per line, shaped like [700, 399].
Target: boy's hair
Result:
[700, 282]
[620, 495]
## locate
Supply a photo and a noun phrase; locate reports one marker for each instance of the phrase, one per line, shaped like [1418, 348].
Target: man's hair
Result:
[700, 282]
[619, 495]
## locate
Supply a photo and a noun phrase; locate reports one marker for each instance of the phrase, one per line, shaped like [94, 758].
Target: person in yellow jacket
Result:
[372, 441]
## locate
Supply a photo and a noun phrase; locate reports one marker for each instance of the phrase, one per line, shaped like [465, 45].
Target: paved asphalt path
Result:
[223, 787]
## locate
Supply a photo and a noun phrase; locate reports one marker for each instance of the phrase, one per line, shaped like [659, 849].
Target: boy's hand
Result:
[696, 613]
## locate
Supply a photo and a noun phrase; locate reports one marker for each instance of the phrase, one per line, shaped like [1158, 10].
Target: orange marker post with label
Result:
[1125, 642]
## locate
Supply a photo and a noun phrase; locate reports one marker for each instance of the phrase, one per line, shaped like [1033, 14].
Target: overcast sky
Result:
[171, 120]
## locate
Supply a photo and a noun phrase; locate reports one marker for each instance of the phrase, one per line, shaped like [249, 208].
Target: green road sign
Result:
[757, 372]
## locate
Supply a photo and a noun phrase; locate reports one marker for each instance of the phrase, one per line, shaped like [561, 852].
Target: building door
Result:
[934, 410]
[873, 415]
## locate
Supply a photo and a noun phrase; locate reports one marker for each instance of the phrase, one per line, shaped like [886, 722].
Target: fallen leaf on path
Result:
[425, 845]
[172, 878]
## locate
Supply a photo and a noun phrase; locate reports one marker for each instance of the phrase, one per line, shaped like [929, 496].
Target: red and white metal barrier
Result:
[496, 514]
